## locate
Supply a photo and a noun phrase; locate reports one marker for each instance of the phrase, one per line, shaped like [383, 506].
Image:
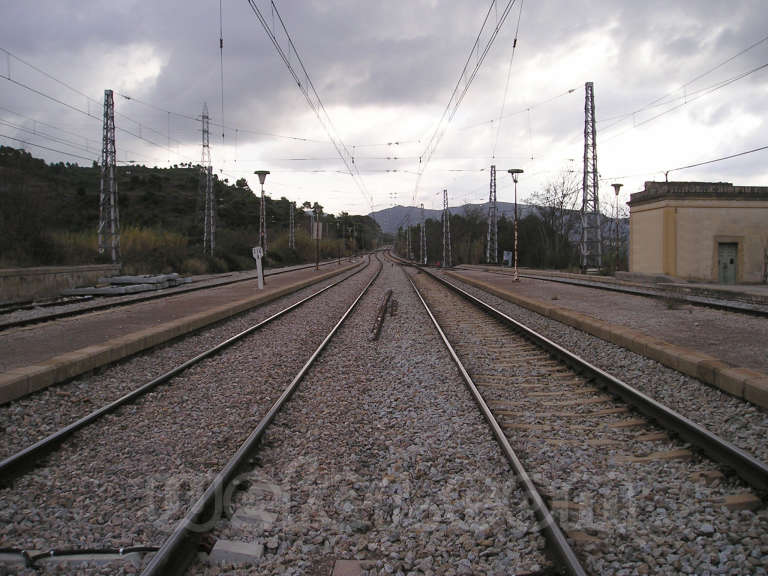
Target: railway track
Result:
[381, 461]
[99, 488]
[77, 306]
[629, 493]
[378, 463]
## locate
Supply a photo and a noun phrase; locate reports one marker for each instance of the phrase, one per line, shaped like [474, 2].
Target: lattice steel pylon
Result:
[109, 216]
[292, 229]
[423, 239]
[591, 241]
[206, 189]
[492, 244]
[446, 232]
[409, 254]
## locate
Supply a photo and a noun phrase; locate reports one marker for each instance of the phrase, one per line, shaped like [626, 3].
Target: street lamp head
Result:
[262, 174]
[617, 187]
[515, 172]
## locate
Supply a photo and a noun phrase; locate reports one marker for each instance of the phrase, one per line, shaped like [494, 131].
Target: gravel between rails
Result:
[31, 418]
[660, 517]
[131, 476]
[733, 419]
[383, 456]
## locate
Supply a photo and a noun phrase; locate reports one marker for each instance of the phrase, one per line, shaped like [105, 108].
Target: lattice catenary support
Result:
[591, 241]
[206, 189]
[109, 217]
[492, 244]
[409, 253]
[423, 239]
[446, 232]
[291, 230]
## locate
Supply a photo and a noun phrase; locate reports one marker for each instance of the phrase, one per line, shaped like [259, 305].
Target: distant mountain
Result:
[390, 219]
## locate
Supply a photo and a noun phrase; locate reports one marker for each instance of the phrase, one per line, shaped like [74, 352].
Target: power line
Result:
[717, 159]
[49, 125]
[47, 148]
[463, 84]
[79, 110]
[697, 94]
[69, 87]
[304, 83]
[506, 90]
[35, 132]
[45, 135]
[221, 65]
[221, 125]
[517, 112]
[660, 100]
[52, 98]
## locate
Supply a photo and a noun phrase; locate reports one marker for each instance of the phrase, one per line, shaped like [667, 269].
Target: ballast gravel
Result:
[733, 419]
[660, 516]
[33, 417]
[382, 457]
[127, 479]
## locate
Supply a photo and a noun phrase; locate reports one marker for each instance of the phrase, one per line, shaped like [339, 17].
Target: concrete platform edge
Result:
[744, 383]
[21, 381]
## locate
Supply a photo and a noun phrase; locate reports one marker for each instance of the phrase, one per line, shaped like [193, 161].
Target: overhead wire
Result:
[50, 137]
[221, 66]
[506, 85]
[517, 112]
[660, 101]
[307, 88]
[47, 148]
[42, 123]
[717, 159]
[696, 95]
[79, 110]
[460, 89]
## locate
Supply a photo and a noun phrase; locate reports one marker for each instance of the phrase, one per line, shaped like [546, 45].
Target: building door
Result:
[727, 262]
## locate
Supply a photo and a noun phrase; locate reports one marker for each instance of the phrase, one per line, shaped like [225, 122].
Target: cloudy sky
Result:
[385, 73]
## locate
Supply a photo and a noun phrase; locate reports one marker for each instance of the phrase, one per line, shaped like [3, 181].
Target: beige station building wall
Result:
[677, 228]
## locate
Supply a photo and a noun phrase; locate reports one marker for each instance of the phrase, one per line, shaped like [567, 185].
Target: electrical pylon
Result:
[206, 189]
[492, 245]
[109, 216]
[423, 239]
[591, 241]
[409, 254]
[446, 232]
[291, 229]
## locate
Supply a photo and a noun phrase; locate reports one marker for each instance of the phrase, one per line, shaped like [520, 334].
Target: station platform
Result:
[37, 356]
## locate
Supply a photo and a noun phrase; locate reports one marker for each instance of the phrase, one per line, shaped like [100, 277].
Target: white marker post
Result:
[258, 253]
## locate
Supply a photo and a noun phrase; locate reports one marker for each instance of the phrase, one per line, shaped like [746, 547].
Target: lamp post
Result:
[317, 229]
[262, 174]
[616, 188]
[515, 173]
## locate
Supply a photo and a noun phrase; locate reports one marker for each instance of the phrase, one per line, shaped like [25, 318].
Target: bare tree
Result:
[556, 204]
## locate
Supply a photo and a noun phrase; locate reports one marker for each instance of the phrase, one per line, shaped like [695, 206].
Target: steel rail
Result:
[165, 293]
[749, 468]
[557, 541]
[11, 466]
[177, 551]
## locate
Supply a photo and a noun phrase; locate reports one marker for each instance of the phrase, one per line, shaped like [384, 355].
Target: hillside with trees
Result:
[49, 214]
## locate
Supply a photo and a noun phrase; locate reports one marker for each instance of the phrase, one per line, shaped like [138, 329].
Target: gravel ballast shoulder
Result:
[35, 416]
[735, 420]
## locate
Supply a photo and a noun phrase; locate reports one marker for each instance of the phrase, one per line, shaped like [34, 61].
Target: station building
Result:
[700, 231]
